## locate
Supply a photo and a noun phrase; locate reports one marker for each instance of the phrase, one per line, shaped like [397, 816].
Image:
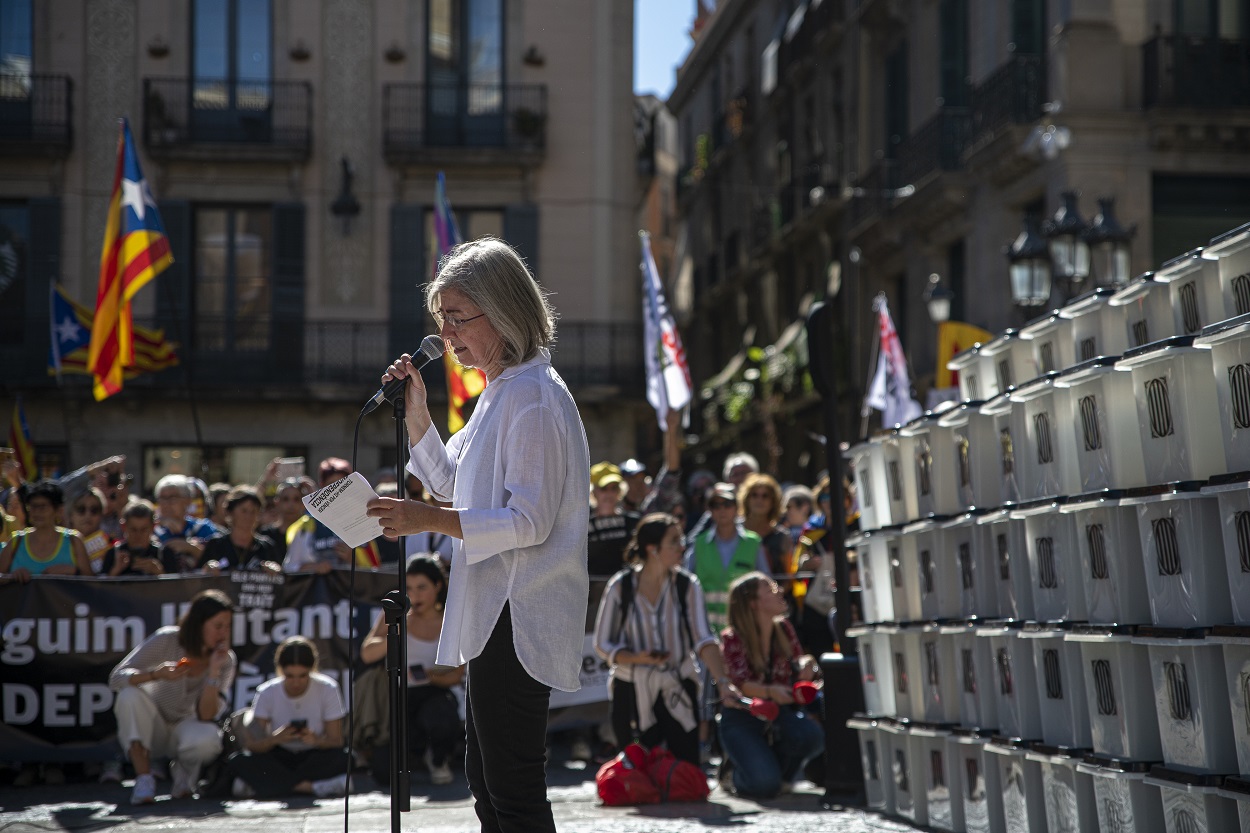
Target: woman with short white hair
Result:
[516, 476]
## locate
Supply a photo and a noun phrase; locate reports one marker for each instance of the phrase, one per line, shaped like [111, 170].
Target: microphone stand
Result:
[395, 610]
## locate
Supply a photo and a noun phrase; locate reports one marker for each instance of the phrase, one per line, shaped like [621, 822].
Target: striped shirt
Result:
[652, 627]
[175, 699]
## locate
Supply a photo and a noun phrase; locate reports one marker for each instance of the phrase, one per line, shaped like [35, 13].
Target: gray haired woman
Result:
[516, 476]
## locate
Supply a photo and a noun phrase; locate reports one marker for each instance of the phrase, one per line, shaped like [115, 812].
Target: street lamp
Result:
[1030, 265]
[938, 299]
[1109, 246]
[1065, 234]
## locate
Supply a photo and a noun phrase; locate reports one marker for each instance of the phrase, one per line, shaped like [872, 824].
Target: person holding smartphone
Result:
[651, 628]
[434, 726]
[295, 744]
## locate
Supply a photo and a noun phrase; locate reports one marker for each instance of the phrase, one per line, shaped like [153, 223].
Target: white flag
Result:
[890, 391]
[668, 375]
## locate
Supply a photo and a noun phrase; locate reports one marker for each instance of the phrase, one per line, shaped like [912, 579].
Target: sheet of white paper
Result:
[341, 506]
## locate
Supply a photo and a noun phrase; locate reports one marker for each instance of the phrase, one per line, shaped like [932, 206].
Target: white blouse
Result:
[519, 475]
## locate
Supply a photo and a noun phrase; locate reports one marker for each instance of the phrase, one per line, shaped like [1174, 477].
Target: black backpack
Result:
[627, 602]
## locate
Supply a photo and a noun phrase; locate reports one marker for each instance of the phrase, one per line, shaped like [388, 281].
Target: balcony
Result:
[873, 193]
[35, 114]
[489, 124]
[197, 119]
[1012, 94]
[1184, 71]
[937, 145]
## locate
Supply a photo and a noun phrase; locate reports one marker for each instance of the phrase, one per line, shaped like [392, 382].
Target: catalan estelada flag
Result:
[71, 335]
[463, 383]
[19, 438]
[135, 251]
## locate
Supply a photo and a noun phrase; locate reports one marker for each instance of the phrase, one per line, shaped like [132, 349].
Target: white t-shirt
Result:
[421, 652]
[320, 703]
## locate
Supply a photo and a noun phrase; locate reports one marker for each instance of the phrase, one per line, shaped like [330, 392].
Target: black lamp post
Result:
[1065, 234]
[938, 299]
[1029, 258]
[1109, 246]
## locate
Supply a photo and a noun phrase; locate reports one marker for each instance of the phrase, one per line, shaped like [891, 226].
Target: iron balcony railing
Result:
[1195, 72]
[874, 192]
[270, 117]
[1012, 94]
[423, 117]
[936, 145]
[35, 113]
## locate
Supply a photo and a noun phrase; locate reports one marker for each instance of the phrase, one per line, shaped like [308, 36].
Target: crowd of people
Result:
[708, 597]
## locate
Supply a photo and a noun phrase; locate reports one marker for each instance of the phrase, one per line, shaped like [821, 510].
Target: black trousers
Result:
[684, 745]
[506, 738]
[275, 773]
[433, 722]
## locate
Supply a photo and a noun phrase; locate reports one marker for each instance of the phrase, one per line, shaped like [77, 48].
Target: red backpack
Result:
[677, 780]
[622, 781]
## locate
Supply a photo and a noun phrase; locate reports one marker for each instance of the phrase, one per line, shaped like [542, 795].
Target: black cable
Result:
[351, 647]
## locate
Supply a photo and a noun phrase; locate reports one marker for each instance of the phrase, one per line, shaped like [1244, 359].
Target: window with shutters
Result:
[15, 230]
[901, 781]
[1041, 433]
[1097, 542]
[1004, 374]
[1245, 699]
[1047, 574]
[1183, 821]
[1177, 682]
[1159, 407]
[937, 769]
[1104, 689]
[974, 386]
[1139, 333]
[900, 673]
[232, 290]
[1052, 674]
[1241, 293]
[1239, 394]
[1091, 437]
[1087, 349]
[933, 666]
[969, 669]
[896, 481]
[1189, 308]
[974, 789]
[1167, 550]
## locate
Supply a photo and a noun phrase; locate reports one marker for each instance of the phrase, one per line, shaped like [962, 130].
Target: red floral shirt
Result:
[739, 668]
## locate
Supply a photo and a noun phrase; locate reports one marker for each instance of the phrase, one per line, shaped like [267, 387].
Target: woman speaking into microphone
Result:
[517, 477]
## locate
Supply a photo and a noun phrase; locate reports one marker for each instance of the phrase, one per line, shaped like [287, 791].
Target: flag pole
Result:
[864, 409]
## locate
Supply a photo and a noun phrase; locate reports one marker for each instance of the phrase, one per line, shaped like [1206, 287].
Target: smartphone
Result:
[418, 673]
[289, 468]
[299, 723]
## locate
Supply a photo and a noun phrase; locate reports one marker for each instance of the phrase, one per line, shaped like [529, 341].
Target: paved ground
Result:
[92, 807]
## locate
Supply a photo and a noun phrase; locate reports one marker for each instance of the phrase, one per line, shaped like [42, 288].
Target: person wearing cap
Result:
[723, 552]
[735, 469]
[608, 533]
[637, 484]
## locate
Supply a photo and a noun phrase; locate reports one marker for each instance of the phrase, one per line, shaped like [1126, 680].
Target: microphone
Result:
[431, 348]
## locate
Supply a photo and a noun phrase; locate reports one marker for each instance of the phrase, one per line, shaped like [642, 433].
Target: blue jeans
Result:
[766, 756]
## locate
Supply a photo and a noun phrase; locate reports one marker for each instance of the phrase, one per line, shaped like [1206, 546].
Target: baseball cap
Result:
[632, 466]
[722, 490]
[604, 474]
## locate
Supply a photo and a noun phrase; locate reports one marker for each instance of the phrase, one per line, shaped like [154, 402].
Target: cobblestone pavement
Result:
[91, 807]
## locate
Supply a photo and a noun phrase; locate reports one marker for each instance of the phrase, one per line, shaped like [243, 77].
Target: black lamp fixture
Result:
[938, 299]
[1109, 246]
[345, 205]
[1029, 259]
[1065, 235]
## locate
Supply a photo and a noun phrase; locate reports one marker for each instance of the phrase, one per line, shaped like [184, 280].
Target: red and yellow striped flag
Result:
[135, 251]
[463, 383]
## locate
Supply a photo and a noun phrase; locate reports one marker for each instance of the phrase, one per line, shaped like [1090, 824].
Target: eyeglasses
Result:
[452, 321]
[720, 504]
[88, 510]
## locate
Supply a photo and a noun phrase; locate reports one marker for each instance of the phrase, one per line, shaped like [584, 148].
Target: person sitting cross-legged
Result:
[296, 740]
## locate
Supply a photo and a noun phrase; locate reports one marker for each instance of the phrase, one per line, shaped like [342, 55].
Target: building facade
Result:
[837, 149]
[292, 147]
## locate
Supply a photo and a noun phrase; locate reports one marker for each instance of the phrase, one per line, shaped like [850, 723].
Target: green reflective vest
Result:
[716, 577]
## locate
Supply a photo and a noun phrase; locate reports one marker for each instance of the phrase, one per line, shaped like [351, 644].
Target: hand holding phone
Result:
[418, 675]
[299, 724]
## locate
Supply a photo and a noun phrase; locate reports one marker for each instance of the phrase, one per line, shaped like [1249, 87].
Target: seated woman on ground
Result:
[764, 660]
[295, 742]
[43, 548]
[170, 693]
[433, 710]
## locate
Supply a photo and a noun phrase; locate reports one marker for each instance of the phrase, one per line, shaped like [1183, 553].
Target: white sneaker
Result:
[185, 780]
[112, 773]
[330, 787]
[241, 789]
[145, 789]
[440, 774]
